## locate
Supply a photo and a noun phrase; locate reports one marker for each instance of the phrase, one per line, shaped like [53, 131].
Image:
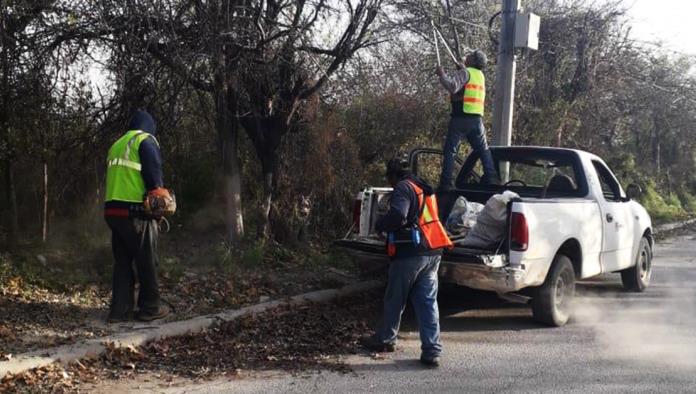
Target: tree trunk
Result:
[265, 133]
[562, 124]
[44, 226]
[265, 212]
[656, 146]
[228, 133]
[12, 201]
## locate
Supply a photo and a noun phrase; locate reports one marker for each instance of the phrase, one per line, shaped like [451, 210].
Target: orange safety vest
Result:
[434, 234]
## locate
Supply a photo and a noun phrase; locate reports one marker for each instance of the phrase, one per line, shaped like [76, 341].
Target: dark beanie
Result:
[141, 120]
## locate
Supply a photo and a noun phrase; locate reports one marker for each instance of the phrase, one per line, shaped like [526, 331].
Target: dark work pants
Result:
[469, 128]
[134, 240]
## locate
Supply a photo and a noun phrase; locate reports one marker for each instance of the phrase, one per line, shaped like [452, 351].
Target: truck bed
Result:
[375, 247]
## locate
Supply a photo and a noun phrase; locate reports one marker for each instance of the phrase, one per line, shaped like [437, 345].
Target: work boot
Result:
[114, 318]
[432, 362]
[161, 312]
[372, 344]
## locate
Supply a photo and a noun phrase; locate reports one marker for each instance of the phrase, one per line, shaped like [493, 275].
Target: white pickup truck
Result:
[572, 221]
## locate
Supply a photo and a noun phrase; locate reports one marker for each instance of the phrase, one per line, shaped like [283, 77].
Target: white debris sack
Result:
[490, 227]
[463, 216]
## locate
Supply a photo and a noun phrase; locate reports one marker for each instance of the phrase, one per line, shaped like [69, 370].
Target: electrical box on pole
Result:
[527, 30]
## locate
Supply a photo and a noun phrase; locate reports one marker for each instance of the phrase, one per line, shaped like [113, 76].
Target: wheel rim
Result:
[560, 292]
[644, 265]
[563, 294]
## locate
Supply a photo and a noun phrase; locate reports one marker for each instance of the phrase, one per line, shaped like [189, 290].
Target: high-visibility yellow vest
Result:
[474, 92]
[124, 181]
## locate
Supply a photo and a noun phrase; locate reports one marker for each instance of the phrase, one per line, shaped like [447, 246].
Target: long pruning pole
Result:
[436, 33]
[437, 47]
[457, 46]
[454, 58]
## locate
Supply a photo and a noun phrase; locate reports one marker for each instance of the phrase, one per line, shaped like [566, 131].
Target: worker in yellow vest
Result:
[133, 180]
[467, 88]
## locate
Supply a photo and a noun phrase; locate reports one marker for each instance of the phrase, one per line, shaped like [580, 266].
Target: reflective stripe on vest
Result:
[474, 92]
[429, 222]
[126, 163]
[123, 179]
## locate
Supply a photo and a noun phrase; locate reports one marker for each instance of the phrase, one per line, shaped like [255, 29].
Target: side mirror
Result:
[633, 191]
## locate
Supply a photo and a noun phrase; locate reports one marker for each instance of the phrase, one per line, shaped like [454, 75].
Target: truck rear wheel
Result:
[637, 278]
[553, 300]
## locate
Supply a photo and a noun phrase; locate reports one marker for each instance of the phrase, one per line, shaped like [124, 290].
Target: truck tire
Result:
[553, 300]
[637, 278]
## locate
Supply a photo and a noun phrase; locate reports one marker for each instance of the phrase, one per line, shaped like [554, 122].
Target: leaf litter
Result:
[36, 318]
[300, 339]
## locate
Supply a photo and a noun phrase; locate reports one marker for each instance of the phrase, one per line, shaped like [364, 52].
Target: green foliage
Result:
[662, 209]
[578, 90]
[688, 201]
[253, 256]
[5, 268]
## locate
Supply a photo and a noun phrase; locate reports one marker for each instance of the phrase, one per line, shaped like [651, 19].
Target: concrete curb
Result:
[673, 226]
[95, 347]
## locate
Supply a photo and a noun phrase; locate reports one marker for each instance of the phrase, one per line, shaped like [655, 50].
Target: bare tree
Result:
[20, 68]
[257, 60]
[289, 68]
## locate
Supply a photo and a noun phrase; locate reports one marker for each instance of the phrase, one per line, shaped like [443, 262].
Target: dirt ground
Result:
[299, 339]
[59, 293]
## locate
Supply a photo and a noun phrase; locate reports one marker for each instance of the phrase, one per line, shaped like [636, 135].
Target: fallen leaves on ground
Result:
[308, 337]
[52, 379]
[292, 339]
[35, 318]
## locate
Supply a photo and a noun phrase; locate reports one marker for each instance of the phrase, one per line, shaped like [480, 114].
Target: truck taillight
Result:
[357, 206]
[519, 232]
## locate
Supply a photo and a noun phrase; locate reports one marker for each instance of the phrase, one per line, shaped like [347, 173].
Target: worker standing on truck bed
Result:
[467, 87]
[133, 186]
[415, 239]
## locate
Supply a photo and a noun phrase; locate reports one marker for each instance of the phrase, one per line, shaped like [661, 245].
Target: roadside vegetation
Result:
[268, 130]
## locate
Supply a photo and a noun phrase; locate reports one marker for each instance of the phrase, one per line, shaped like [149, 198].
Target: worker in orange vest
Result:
[467, 88]
[415, 240]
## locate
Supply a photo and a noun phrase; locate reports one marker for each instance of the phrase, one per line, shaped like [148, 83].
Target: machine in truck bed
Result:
[572, 220]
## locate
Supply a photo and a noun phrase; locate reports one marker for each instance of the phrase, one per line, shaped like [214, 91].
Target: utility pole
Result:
[505, 77]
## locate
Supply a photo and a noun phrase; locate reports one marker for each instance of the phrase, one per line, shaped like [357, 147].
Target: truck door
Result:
[617, 222]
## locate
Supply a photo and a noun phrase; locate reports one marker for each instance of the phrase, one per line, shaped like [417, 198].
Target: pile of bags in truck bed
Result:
[480, 226]
[462, 217]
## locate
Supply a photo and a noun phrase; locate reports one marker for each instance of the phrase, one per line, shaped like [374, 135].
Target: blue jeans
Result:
[415, 279]
[471, 128]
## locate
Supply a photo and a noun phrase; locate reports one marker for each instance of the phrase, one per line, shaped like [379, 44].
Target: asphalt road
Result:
[617, 342]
